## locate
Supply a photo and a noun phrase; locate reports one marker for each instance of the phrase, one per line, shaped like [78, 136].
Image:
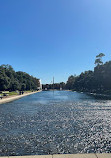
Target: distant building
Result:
[40, 85]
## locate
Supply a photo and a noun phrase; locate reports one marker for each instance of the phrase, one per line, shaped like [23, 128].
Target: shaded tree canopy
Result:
[11, 80]
[98, 60]
[57, 86]
[97, 81]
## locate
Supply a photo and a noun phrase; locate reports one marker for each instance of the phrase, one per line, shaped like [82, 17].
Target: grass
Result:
[13, 93]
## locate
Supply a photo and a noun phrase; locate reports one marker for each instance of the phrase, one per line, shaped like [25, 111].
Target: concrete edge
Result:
[6, 100]
[92, 155]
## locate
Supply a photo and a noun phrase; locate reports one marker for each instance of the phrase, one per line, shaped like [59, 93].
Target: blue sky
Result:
[47, 38]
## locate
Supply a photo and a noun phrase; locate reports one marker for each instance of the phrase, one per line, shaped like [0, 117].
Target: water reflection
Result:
[59, 122]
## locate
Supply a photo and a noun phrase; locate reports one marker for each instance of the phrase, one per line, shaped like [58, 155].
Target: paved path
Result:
[12, 98]
[64, 156]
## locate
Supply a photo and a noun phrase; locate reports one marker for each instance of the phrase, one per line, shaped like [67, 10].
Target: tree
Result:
[98, 60]
[97, 81]
[11, 80]
[15, 85]
[62, 85]
[23, 86]
[70, 82]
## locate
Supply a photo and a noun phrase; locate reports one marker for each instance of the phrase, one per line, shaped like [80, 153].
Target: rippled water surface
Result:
[59, 122]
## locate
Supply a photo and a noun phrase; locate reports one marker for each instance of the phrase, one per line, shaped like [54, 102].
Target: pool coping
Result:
[92, 155]
[6, 100]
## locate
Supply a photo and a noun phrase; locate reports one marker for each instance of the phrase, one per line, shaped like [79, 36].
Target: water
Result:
[51, 123]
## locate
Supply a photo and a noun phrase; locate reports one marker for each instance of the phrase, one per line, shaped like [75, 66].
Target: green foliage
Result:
[57, 86]
[97, 81]
[70, 82]
[11, 80]
[98, 60]
[100, 55]
[13, 93]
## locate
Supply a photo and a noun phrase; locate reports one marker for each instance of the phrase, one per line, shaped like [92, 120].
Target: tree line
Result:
[97, 81]
[57, 86]
[11, 80]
